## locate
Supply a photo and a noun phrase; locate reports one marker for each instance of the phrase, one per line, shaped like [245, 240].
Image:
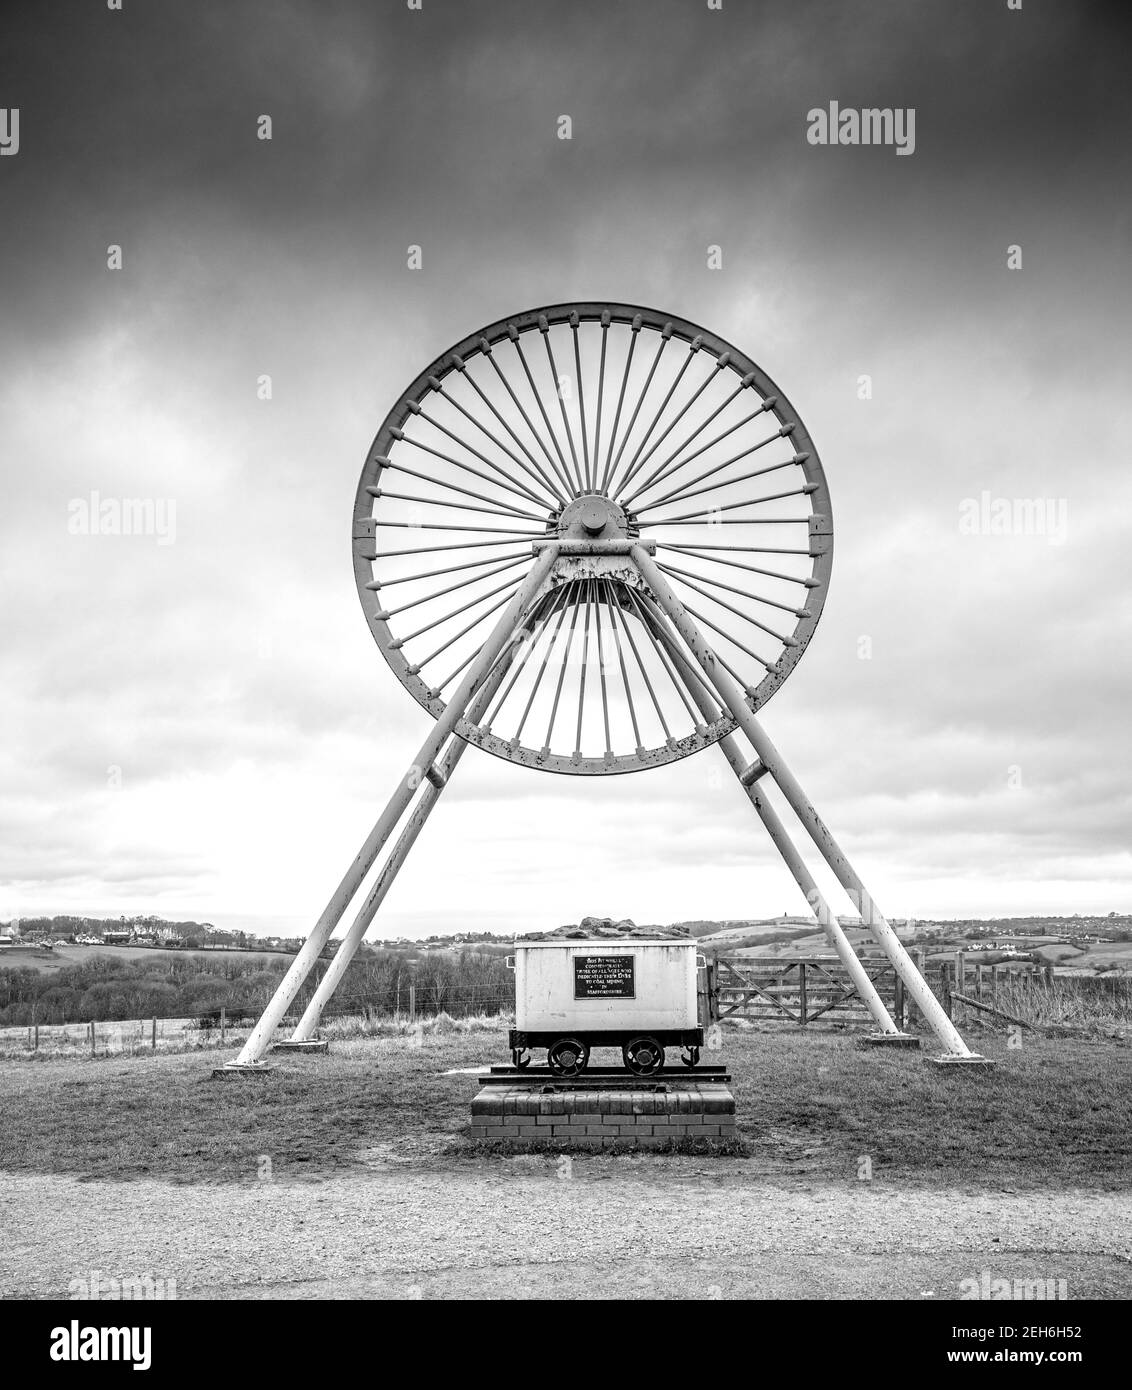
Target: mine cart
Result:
[574, 995]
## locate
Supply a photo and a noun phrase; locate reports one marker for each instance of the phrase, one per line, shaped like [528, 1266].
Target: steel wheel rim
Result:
[758, 569]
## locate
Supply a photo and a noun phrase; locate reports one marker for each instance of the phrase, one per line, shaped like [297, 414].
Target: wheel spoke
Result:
[467, 468]
[803, 491]
[444, 483]
[444, 526]
[447, 617]
[715, 627]
[438, 549]
[503, 448]
[677, 496]
[600, 395]
[659, 471]
[423, 414]
[541, 623]
[754, 569]
[611, 604]
[762, 409]
[556, 378]
[527, 419]
[688, 404]
[417, 665]
[741, 549]
[445, 569]
[743, 593]
[570, 489]
[452, 588]
[454, 506]
[565, 664]
[634, 465]
[785, 640]
[635, 334]
[562, 607]
[588, 584]
[601, 670]
[664, 341]
[651, 620]
[580, 380]
[542, 477]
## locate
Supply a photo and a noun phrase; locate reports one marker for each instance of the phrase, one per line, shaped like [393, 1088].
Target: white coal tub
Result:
[637, 995]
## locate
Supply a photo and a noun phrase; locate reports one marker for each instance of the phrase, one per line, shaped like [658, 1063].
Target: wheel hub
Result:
[593, 516]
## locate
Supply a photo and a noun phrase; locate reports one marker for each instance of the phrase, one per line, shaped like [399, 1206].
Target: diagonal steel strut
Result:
[824, 915]
[734, 702]
[300, 968]
[399, 853]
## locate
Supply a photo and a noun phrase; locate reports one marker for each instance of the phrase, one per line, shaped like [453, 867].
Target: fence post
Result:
[412, 1002]
[36, 1041]
[920, 956]
[802, 992]
[153, 1035]
[898, 1003]
[223, 1025]
[92, 1037]
[960, 972]
[945, 986]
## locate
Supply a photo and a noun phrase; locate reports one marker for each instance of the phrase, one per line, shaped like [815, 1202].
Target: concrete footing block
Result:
[889, 1040]
[241, 1069]
[974, 1060]
[301, 1045]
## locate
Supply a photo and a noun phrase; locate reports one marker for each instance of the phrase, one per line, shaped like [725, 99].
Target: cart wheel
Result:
[691, 1057]
[567, 1057]
[520, 1057]
[643, 1056]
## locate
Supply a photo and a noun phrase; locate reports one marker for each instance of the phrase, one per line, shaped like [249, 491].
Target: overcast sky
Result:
[199, 724]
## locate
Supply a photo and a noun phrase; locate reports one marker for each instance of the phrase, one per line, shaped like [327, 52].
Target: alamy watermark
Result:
[78, 1343]
[97, 1285]
[1015, 516]
[870, 125]
[123, 516]
[9, 130]
[987, 1286]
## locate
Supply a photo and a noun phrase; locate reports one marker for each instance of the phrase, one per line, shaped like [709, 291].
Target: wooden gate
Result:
[800, 990]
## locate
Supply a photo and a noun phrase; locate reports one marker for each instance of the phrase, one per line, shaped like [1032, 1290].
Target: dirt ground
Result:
[513, 1228]
[350, 1175]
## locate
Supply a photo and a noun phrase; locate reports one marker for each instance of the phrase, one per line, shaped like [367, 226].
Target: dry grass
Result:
[132, 1038]
[1090, 1005]
[1057, 1112]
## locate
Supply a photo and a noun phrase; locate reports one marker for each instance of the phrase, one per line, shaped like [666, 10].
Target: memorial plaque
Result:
[603, 977]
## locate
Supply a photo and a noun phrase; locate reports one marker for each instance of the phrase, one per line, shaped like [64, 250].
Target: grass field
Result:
[30, 958]
[1056, 1113]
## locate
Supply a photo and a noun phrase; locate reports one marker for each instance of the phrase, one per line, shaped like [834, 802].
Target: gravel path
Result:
[511, 1228]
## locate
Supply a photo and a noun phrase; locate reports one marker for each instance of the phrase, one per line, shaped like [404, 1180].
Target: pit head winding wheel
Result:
[583, 424]
[592, 539]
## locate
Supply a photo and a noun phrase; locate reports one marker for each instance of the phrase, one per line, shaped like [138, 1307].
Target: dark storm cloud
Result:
[240, 646]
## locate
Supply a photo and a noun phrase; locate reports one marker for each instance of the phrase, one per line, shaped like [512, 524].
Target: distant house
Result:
[116, 938]
[6, 942]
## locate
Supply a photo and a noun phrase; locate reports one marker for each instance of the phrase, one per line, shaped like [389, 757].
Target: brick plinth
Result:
[613, 1118]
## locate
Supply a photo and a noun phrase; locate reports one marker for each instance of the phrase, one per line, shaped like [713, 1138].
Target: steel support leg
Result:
[392, 866]
[292, 982]
[823, 913]
[734, 701]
